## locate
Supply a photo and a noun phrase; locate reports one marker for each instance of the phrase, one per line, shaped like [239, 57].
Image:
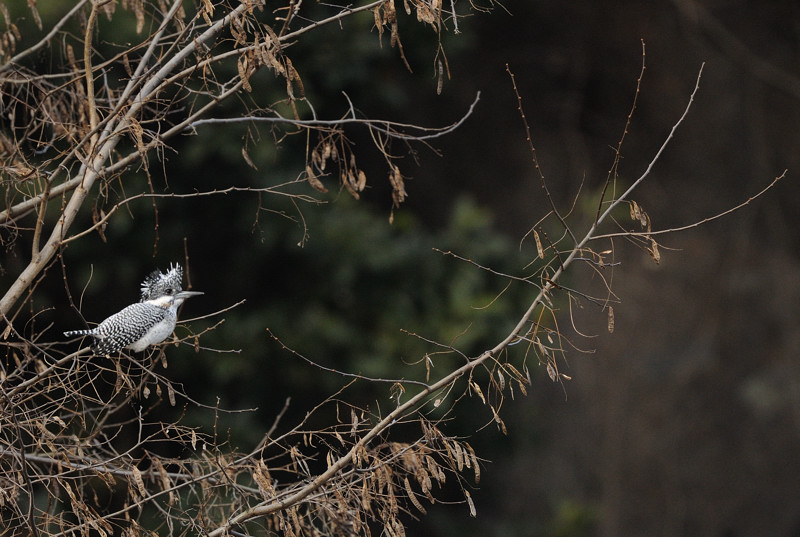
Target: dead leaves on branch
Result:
[398, 186]
[191, 68]
[345, 476]
[387, 478]
[39, 113]
[643, 219]
[427, 11]
[336, 149]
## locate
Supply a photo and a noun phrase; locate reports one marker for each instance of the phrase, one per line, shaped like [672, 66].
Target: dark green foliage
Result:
[349, 299]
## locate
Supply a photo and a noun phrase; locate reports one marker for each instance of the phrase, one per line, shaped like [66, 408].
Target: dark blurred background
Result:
[685, 421]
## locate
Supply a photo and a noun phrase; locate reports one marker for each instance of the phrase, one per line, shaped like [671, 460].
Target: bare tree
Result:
[72, 458]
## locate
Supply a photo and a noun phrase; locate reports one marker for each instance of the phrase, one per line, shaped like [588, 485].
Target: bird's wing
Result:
[127, 326]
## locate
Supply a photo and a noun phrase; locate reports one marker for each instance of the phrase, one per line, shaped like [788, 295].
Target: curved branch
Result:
[46, 39]
[652, 163]
[705, 220]
[107, 140]
[381, 125]
[424, 395]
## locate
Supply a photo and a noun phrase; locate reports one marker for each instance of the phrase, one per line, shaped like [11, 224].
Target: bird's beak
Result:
[183, 295]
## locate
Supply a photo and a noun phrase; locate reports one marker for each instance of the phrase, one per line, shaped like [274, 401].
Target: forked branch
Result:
[434, 390]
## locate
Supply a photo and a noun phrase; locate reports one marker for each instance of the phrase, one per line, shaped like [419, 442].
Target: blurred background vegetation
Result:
[686, 421]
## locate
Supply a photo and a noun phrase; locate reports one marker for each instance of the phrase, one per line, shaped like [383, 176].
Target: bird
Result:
[144, 323]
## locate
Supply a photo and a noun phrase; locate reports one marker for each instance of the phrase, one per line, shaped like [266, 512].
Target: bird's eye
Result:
[169, 290]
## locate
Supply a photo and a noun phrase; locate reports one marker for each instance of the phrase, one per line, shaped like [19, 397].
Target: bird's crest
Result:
[158, 284]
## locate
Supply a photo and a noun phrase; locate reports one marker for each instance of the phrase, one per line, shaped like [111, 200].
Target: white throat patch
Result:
[162, 301]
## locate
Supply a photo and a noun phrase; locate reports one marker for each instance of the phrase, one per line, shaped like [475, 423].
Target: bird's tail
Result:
[78, 333]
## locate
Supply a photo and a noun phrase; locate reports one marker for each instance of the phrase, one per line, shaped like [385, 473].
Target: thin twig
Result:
[706, 220]
[612, 172]
[47, 38]
[356, 376]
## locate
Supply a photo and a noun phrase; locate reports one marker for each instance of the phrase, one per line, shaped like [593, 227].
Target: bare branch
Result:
[47, 38]
[699, 223]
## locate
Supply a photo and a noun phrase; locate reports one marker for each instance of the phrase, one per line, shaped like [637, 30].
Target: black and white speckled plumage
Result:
[157, 284]
[145, 323]
[128, 327]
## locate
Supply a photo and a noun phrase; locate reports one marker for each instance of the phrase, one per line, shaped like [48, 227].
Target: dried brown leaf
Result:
[425, 13]
[501, 379]
[263, 479]
[137, 480]
[478, 391]
[435, 470]
[138, 134]
[522, 388]
[474, 462]
[610, 319]
[413, 497]
[539, 249]
[296, 526]
[392, 499]
[551, 372]
[138, 11]
[472, 512]
[502, 425]
[247, 158]
[458, 454]
[654, 253]
[59, 421]
[381, 477]
[353, 423]
[119, 381]
[348, 184]
[293, 76]
[398, 186]
[542, 349]
[424, 480]
[378, 22]
[366, 497]
[127, 65]
[514, 371]
[35, 13]
[208, 10]
[244, 75]
[166, 484]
